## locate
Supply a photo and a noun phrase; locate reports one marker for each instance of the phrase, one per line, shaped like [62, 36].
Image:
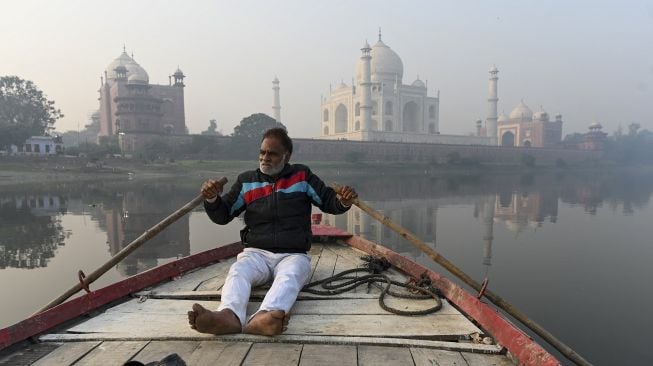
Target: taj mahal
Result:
[378, 106]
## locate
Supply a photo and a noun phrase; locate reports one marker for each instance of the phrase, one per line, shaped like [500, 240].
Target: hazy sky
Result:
[588, 60]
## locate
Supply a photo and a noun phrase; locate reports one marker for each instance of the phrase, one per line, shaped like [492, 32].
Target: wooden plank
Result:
[283, 338]
[327, 355]
[436, 326]
[263, 354]
[305, 307]
[486, 360]
[215, 283]
[325, 265]
[67, 354]
[155, 351]
[28, 354]
[430, 357]
[315, 252]
[191, 280]
[387, 356]
[112, 353]
[257, 293]
[219, 353]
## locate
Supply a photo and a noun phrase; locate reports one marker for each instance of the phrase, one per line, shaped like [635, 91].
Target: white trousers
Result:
[289, 272]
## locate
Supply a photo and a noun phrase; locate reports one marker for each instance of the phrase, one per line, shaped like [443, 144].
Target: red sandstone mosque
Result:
[135, 110]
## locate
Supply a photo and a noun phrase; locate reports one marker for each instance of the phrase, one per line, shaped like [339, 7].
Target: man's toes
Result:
[198, 309]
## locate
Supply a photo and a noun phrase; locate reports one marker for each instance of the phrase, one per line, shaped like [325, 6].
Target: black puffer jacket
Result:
[277, 211]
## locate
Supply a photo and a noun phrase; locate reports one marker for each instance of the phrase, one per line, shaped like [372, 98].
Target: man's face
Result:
[272, 156]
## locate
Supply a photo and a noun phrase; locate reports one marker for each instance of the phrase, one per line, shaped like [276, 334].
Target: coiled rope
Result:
[341, 283]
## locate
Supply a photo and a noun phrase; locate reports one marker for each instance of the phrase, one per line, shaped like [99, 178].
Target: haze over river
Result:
[572, 250]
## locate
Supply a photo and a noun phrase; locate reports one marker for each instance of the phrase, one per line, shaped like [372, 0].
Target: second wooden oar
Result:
[135, 244]
[496, 299]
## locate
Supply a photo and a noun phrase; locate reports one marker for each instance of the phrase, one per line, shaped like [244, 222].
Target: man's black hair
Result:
[281, 135]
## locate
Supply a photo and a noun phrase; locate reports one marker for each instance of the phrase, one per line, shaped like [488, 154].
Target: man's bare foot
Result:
[268, 323]
[213, 322]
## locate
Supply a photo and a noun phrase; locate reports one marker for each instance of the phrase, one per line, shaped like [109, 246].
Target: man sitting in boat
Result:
[277, 200]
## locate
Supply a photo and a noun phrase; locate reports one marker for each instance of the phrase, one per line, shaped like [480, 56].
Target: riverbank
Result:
[16, 171]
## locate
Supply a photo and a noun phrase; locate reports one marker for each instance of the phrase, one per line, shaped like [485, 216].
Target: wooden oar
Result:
[496, 299]
[147, 235]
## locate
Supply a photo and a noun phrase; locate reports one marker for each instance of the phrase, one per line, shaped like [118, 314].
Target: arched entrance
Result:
[341, 119]
[508, 139]
[410, 117]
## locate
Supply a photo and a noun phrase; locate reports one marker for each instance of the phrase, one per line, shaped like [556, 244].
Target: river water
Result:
[572, 250]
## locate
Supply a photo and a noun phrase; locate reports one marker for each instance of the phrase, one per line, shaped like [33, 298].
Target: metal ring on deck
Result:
[483, 287]
[81, 277]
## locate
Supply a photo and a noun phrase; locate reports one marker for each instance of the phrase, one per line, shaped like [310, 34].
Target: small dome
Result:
[595, 126]
[178, 72]
[502, 118]
[418, 83]
[342, 85]
[385, 64]
[521, 112]
[135, 70]
[136, 79]
[494, 69]
[541, 115]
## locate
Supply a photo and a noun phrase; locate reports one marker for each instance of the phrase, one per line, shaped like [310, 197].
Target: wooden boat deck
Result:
[348, 329]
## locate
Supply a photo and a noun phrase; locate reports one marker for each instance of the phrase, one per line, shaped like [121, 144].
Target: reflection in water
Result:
[31, 229]
[516, 202]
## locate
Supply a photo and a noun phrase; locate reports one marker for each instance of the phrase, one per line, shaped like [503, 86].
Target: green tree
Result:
[253, 127]
[247, 135]
[24, 111]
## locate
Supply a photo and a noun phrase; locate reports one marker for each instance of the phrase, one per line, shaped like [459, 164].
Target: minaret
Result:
[493, 99]
[366, 89]
[276, 103]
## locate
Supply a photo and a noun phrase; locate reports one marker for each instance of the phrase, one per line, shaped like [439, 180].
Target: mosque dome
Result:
[342, 85]
[595, 126]
[502, 118]
[418, 83]
[521, 112]
[122, 60]
[385, 64]
[133, 68]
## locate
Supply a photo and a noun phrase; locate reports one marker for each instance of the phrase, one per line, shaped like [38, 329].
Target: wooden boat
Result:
[143, 318]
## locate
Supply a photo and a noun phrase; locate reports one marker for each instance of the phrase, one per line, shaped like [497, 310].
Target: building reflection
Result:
[132, 214]
[512, 210]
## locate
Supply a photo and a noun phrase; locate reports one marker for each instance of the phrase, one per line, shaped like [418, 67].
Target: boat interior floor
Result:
[346, 329]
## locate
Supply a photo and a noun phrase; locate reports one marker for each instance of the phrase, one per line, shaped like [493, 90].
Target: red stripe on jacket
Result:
[283, 183]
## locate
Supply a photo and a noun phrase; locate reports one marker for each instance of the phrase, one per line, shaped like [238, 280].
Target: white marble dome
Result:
[385, 64]
[502, 118]
[521, 112]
